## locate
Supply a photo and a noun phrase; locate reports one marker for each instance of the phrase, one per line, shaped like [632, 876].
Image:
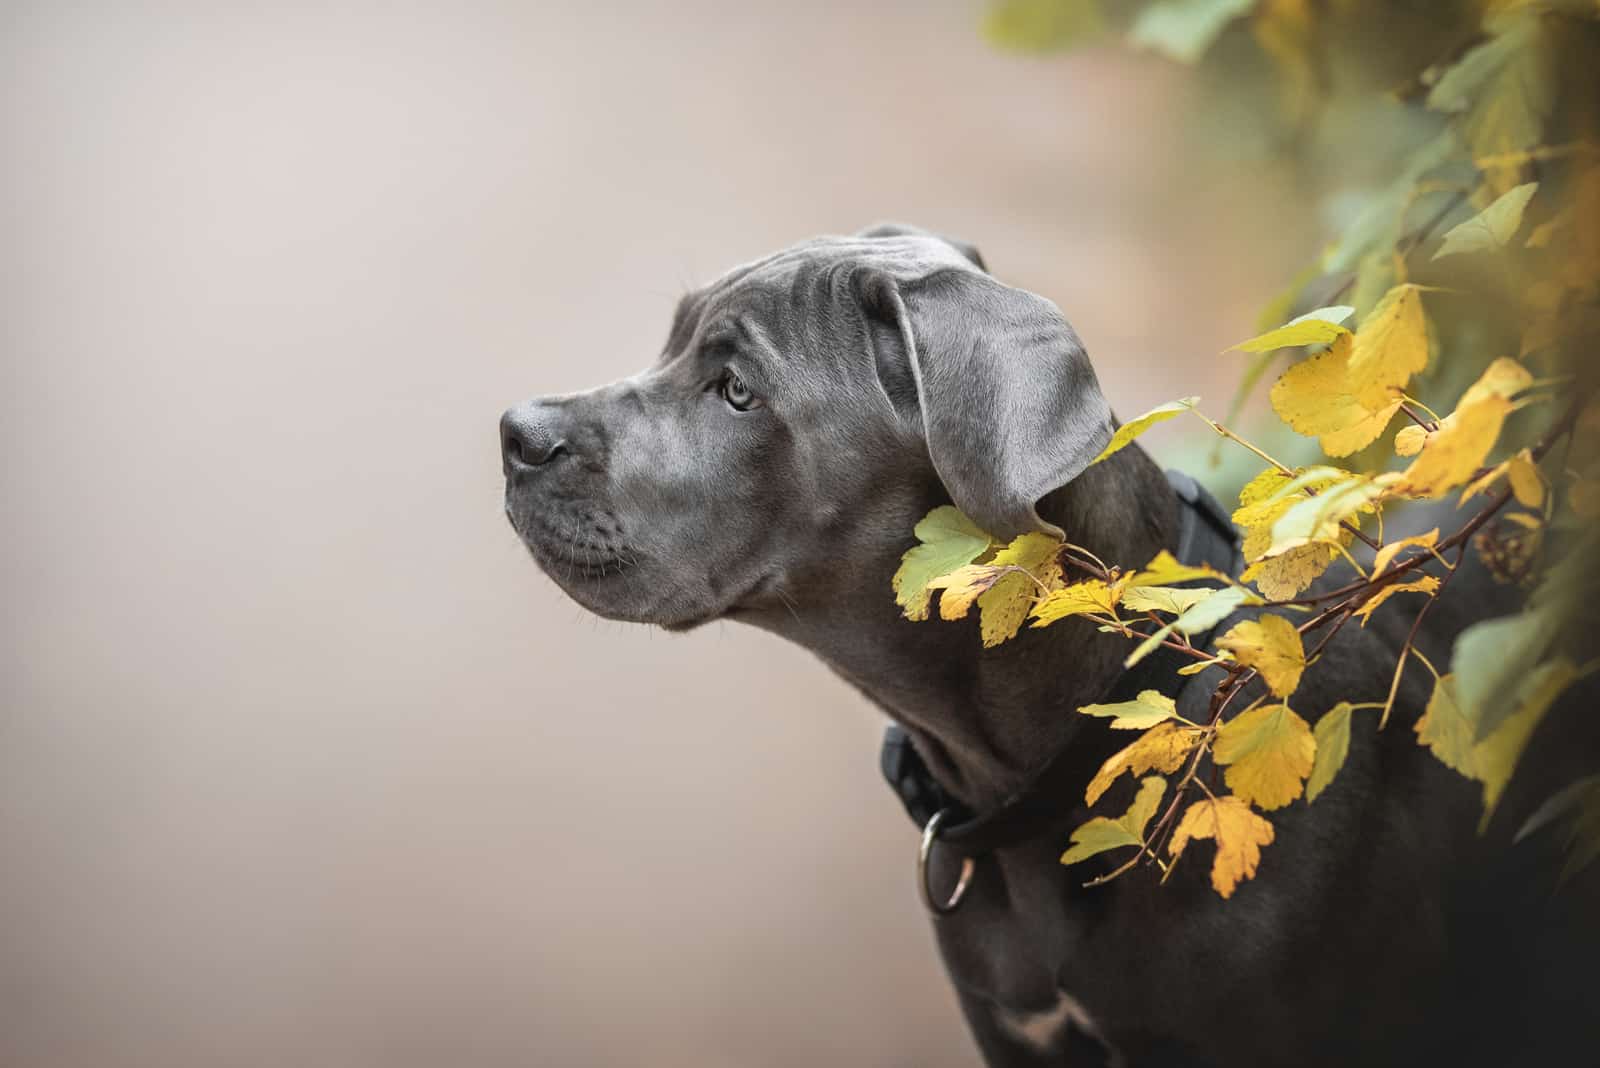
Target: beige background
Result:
[301, 761]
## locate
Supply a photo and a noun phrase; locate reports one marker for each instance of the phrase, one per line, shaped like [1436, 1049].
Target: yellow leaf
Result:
[1332, 735]
[1281, 577]
[1496, 756]
[1161, 748]
[1386, 555]
[1092, 596]
[1170, 599]
[1200, 665]
[1103, 833]
[1426, 584]
[1445, 729]
[1482, 482]
[1268, 752]
[960, 588]
[1003, 607]
[1504, 377]
[1142, 713]
[1165, 570]
[1390, 346]
[1408, 440]
[1272, 646]
[1527, 484]
[1238, 832]
[1134, 427]
[1322, 518]
[1317, 398]
[948, 540]
[1451, 456]
[1313, 328]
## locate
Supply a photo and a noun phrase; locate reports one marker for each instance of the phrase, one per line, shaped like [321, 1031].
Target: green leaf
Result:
[1498, 753]
[1134, 427]
[1446, 731]
[948, 540]
[1142, 713]
[1503, 90]
[1003, 607]
[1490, 662]
[1332, 734]
[1102, 833]
[1170, 599]
[1043, 25]
[1490, 229]
[1184, 29]
[1313, 328]
[1203, 616]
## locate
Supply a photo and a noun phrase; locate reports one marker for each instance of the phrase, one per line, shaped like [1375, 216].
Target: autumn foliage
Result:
[1446, 357]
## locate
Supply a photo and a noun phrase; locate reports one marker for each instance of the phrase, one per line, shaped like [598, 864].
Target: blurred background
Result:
[302, 762]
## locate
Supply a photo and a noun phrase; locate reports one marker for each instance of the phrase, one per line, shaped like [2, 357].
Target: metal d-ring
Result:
[929, 834]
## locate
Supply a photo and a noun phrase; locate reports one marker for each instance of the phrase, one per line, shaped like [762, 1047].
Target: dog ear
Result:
[1001, 386]
[894, 229]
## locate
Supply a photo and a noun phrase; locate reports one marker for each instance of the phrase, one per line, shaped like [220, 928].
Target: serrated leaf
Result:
[1321, 518]
[1102, 833]
[1272, 646]
[948, 541]
[1268, 752]
[1142, 713]
[1184, 29]
[960, 588]
[1503, 90]
[1170, 599]
[1386, 555]
[1238, 832]
[1497, 754]
[1284, 576]
[1390, 346]
[1313, 328]
[1134, 427]
[1165, 570]
[1090, 597]
[1318, 398]
[1003, 607]
[1492, 228]
[1161, 748]
[1426, 584]
[1332, 735]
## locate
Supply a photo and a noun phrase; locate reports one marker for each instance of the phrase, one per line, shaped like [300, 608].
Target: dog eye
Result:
[737, 394]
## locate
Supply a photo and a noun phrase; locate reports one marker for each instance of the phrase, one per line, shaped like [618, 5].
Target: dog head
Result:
[805, 411]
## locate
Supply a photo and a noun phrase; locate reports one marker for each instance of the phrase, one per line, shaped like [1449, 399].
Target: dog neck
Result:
[986, 720]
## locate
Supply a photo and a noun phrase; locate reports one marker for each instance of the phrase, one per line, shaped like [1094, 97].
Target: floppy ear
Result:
[1006, 398]
[894, 229]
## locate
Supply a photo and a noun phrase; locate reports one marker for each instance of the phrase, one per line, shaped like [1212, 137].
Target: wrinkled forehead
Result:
[783, 293]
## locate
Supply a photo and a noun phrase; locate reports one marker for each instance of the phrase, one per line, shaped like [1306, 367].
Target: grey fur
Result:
[897, 375]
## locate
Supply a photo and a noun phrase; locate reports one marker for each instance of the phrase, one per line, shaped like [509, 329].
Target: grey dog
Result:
[806, 410]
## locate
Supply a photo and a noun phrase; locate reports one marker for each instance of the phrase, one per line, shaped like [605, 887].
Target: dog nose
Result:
[527, 439]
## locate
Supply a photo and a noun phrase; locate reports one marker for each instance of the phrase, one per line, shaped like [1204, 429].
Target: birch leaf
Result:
[1390, 346]
[1332, 735]
[1313, 328]
[1492, 228]
[1134, 427]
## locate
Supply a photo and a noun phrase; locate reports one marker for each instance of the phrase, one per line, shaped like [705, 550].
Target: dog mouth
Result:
[573, 554]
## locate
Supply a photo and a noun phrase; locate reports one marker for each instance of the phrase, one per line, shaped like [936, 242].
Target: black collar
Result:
[1206, 535]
